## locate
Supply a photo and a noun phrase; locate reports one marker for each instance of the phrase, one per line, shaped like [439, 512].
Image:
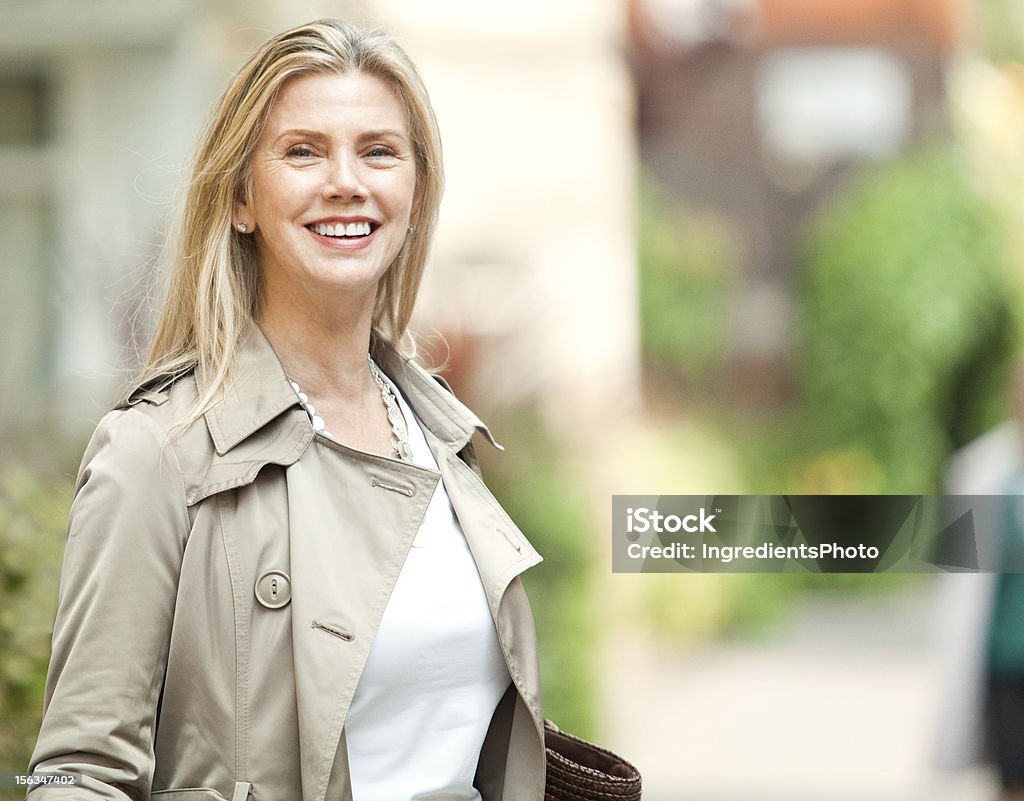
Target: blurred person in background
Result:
[284, 577]
[1004, 653]
[982, 619]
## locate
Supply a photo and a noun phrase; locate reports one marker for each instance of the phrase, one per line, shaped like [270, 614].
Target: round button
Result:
[273, 589]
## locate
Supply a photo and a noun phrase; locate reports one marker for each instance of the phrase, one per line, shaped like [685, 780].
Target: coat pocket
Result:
[187, 794]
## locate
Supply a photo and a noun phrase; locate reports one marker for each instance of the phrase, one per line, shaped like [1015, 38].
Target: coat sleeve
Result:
[126, 536]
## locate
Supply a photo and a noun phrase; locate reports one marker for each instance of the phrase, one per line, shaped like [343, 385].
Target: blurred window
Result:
[689, 23]
[818, 104]
[29, 236]
[24, 107]
[25, 310]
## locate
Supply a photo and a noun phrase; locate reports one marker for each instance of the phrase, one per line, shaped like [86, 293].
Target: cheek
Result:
[282, 194]
[403, 194]
[393, 188]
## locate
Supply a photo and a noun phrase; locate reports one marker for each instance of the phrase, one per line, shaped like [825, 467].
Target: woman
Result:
[284, 578]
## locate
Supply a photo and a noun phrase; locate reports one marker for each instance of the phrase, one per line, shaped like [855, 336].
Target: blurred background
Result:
[687, 247]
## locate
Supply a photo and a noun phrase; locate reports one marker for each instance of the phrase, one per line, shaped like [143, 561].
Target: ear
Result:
[242, 209]
[417, 206]
[242, 214]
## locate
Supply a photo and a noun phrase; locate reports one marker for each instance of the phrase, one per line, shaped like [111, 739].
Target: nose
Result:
[343, 180]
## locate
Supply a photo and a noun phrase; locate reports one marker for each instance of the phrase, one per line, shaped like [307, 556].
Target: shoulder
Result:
[161, 405]
[161, 397]
[137, 430]
[140, 437]
[255, 421]
[130, 481]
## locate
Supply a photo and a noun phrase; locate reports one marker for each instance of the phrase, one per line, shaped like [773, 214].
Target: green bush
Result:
[1002, 29]
[688, 269]
[535, 486]
[910, 319]
[33, 512]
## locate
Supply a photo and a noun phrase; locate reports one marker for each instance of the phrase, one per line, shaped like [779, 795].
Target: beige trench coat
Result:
[168, 672]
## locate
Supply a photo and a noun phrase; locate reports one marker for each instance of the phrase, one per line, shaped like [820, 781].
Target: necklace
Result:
[400, 448]
[316, 420]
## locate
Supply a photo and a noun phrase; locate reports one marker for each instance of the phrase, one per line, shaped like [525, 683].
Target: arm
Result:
[126, 536]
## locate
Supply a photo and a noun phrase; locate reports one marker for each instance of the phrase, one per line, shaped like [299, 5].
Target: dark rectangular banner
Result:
[817, 533]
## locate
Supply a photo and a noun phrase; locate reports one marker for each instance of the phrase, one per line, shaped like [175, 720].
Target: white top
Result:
[435, 672]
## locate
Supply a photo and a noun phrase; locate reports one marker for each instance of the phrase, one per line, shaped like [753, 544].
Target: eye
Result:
[380, 152]
[300, 152]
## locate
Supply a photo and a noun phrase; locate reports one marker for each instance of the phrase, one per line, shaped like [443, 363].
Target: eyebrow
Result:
[385, 133]
[301, 133]
[381, 133]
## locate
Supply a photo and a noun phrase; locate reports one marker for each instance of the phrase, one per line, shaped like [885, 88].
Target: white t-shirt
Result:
[435, 672]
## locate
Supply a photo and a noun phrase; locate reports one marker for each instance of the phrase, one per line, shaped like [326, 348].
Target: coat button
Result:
[273, 589]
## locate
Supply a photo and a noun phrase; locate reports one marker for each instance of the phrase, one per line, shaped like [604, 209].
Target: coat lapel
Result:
[499, 548]
[352, 518]
[501, 553]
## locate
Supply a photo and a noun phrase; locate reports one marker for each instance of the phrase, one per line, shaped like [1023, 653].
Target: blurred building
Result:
[534, 271]
[756, 109]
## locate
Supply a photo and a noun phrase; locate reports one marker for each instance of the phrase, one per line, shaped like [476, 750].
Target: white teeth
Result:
[352, 229]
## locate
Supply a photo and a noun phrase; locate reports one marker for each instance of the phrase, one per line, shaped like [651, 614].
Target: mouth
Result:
[352, 232]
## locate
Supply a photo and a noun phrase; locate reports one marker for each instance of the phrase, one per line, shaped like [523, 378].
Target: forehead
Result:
[337, 102]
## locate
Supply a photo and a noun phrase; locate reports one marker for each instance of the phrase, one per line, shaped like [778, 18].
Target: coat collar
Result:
[261, 393]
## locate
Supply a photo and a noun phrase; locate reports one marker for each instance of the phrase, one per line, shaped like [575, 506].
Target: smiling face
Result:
[333, 190]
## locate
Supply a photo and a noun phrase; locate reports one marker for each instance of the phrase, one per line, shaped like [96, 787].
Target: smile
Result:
[351, 231]
[345, 236]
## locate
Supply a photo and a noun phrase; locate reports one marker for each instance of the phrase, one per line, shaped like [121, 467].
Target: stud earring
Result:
[242, 228]
[412, 230]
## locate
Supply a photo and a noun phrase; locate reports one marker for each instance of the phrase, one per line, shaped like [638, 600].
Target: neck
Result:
[316, 351]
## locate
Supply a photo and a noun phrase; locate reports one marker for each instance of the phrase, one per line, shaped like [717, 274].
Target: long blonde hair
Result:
[214, 272]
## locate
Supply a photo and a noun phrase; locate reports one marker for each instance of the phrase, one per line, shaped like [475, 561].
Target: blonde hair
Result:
[214, 281]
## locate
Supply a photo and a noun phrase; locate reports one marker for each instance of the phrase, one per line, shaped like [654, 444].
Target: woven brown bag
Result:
[582, 771]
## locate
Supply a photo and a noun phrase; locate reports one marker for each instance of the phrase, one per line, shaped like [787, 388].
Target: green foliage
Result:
[537, 490]
[909, 323]
[689, 609]
[1002, 29]
[33, 511]
[909, 319]
[687, 271]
